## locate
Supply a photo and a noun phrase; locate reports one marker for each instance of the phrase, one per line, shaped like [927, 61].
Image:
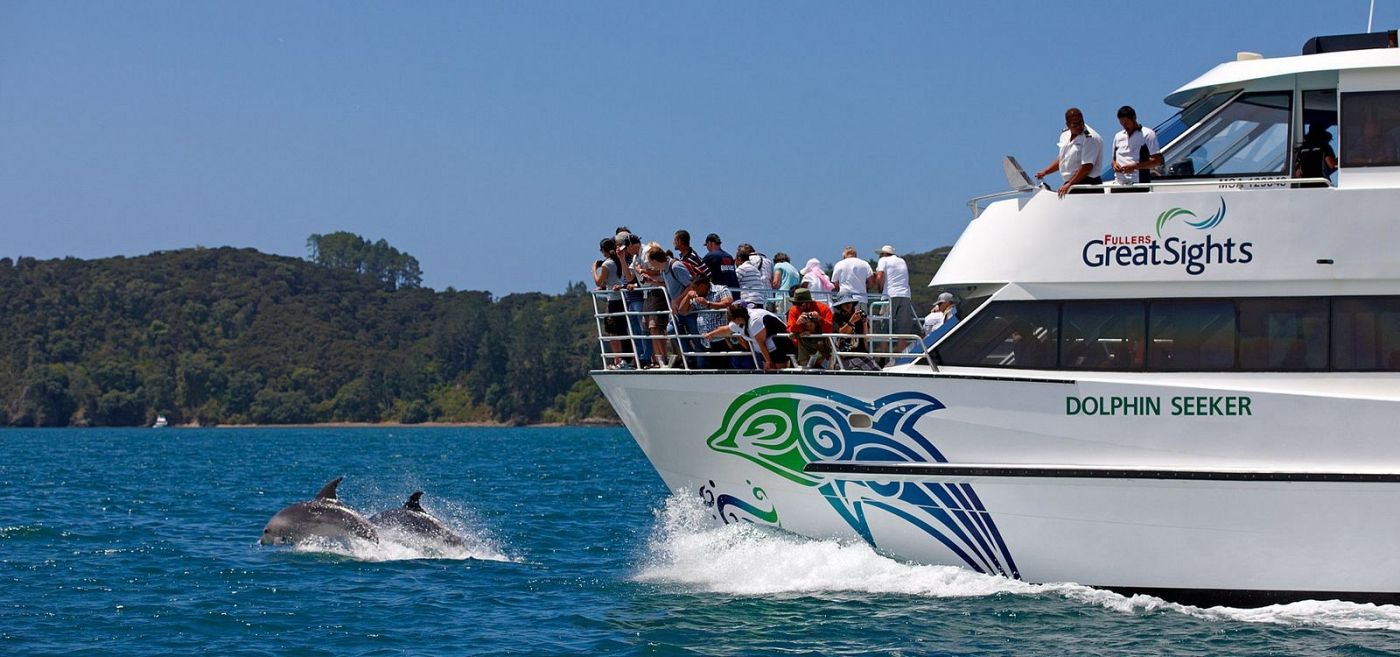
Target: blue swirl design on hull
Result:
[785, 427]
[723, 506]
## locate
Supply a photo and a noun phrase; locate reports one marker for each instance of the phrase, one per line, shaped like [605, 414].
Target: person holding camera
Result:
[808, 318]
[853, 323]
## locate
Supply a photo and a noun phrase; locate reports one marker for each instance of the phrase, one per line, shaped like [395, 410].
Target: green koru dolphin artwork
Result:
[785, 427]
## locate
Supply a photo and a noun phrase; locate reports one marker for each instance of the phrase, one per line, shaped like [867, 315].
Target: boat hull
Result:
[1203, 491]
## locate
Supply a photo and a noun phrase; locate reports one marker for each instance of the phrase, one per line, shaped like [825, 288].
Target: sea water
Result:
[144, 542]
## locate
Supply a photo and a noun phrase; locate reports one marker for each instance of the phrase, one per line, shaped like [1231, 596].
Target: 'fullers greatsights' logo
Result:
[1204, 224]
[1155, 251]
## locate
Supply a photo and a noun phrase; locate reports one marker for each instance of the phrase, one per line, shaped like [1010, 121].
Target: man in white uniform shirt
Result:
[892, 276]
[851, 275]
[1135, 149]
[1081, 154]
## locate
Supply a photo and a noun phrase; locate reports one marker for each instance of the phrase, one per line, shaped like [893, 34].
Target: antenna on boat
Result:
[1371, 16]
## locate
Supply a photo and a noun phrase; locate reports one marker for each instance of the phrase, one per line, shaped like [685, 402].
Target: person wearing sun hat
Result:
[892, 276]
[808, 317]
[848, 319]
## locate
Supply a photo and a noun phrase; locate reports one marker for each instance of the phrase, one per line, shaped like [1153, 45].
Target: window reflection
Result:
[1192, 335]
[1006, 334]
[1103, 336]
[1172, 128]
[1182, 335]
[1371, 129]
[1248, 137]
[1283, 335]
[1366, 334]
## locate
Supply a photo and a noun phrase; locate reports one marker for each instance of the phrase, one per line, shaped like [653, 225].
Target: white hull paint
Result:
[1133, 532]
[1243, 484]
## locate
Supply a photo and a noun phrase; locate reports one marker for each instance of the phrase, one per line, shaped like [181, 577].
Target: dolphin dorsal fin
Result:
[412, 503]
[328, 493]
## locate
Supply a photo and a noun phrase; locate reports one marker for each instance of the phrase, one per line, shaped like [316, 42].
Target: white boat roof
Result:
[1238, 72]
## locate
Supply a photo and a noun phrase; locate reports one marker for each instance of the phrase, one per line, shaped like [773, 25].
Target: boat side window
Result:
[1371, 129]
[1103, 335]
[1283, 335]
[1319, 135]
[1250, 136]
[1190, 336]
[1005, 334]
[1300, 334]
[1366, 334]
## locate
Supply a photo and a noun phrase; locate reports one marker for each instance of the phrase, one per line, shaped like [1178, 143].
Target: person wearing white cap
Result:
[941, 319]
[892, 276]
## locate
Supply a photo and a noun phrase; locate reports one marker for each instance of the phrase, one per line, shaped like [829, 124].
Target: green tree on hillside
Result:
[343, 250]
[234, 336]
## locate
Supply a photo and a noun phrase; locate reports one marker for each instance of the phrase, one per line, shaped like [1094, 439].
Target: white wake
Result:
[690, 549]
[398, 546]
[394, 545]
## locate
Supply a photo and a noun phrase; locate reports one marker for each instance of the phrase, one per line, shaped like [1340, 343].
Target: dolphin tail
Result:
[328, 493]
[412, 503]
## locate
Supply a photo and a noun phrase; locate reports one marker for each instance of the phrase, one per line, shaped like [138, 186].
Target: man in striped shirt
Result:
[687, 255]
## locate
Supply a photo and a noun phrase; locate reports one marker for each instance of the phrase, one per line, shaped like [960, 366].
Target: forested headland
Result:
[235, 336]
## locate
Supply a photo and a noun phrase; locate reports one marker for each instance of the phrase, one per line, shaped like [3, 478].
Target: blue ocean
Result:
[144, 542]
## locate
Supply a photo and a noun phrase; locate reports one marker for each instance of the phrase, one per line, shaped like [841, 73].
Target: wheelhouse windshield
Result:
[1249, 136]
[1192, 114]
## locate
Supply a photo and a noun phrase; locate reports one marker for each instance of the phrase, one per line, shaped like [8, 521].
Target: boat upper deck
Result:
[1233, 209]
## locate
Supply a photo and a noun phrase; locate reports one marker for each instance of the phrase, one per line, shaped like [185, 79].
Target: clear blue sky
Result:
[497, 142]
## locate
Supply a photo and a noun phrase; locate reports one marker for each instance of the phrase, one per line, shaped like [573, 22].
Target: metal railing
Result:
[1235, 183]
[882, 348]
[979, 203]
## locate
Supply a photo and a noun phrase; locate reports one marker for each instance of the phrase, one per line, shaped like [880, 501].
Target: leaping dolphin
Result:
[324, 517]
[412, 519]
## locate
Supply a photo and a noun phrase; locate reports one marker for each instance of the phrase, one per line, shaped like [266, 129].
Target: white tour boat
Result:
[1192, 392]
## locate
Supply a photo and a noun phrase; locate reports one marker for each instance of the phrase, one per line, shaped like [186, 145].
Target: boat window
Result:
[1169, 130]
[1186, 335]
[1248, 137]
[1192, 336]
[1319, 135]
[1283, 335]
[1366, 334]
[1005, 334]
[1103, 336]
[1371, 129]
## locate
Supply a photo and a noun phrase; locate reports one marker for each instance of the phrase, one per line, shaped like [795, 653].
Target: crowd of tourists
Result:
[665, 307]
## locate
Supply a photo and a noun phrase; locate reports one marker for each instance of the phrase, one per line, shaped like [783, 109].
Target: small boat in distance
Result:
[161, 422]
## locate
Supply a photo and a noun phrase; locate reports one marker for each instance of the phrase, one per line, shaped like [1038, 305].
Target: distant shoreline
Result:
[392, 425]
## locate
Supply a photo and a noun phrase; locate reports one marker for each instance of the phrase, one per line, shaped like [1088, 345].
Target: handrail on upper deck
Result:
[680, 340]
[1237, 184]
